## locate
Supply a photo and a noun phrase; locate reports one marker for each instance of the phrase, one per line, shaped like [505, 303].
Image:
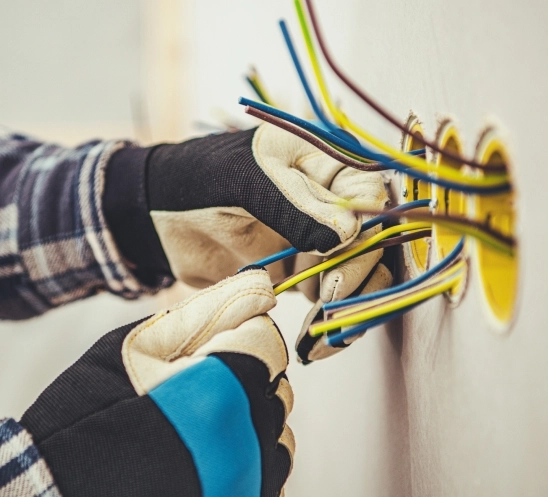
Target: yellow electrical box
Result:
[413, 189]
[498, 271]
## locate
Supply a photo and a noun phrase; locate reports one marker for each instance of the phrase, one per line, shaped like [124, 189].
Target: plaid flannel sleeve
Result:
[23, 472]
[55, 246]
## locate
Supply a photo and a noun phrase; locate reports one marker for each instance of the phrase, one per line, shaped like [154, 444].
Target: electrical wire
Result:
[440, 284]
[389, 242]
[278, 256]
[377, 303]
[338, 153]
[413, 162]
[330, 307]
[256, 89]
[370, 155]
[336, 130]
[314, 140]
[351, 147]
[347, 255]
[408, 237]
[338, 339]
[256, 84]
[371, 223]
[379, 109]
[481, 231]
[344, 121]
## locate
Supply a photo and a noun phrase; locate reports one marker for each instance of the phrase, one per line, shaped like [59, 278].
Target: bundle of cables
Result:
[357, 314]
[335, 138]
[341, 138]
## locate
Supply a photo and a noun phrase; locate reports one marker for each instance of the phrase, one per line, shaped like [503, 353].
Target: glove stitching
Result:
[279, 339]
[192, 339]
[286, 441]
[295, 202]
[287, 408]
[200, 334]
[255, 352]
[181, 305]
[333, 288]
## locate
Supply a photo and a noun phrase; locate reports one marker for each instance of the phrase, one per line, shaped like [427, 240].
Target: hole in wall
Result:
[415, 252]
[449, 202]
[498, 272]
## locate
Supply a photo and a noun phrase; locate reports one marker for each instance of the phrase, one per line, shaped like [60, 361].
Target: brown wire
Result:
[417, 216]
[314, 140]
[389, 242]
[383, 112]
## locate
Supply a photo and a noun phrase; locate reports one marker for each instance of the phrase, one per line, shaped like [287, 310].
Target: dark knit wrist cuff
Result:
[125, 207]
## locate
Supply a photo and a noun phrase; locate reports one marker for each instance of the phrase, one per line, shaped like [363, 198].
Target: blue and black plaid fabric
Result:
[55, 246]
[23, 472]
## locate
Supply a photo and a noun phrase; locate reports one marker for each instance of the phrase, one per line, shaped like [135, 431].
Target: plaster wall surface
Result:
[472, 402]
[437, 404]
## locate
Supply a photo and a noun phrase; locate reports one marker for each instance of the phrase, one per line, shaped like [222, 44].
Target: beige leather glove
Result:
[191, 401]
[221, 202]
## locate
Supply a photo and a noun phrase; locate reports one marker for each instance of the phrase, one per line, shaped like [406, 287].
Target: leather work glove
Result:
[202, 209]
[311, 348]
[189, 402]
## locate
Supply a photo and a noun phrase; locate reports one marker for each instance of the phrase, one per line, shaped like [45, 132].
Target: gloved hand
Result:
[191, 401]
[311, 348]
[220, 202]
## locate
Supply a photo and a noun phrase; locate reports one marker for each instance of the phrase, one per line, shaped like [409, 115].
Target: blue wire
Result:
[278, 256]
[333, 128]
[415, 204]
[403, 286]
[339, 338]
[313, 102]
[365, 226]
[363, 151]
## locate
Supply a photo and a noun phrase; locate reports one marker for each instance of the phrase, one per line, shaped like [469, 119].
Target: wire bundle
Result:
[357, 314]
[336, 139]
[341, 138]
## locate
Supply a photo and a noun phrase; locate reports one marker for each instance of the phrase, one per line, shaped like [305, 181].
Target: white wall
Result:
[437, 405]
[70, 72]
[475, 401]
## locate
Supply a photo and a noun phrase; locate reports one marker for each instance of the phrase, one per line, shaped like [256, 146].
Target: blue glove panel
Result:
[209, 409]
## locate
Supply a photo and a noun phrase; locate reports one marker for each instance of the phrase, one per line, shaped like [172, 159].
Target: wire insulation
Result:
[440, 170]
[377, 303]
[330, 307]
[345, 256]
[314, 104]
[380, 110]
[422, 292]
[320, 144]
[368, 154]
[339, 338]
[371, 223]
[481, 231]
[256, 84]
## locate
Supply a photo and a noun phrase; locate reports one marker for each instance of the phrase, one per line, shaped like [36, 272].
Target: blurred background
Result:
[438, 404]
[155, 71]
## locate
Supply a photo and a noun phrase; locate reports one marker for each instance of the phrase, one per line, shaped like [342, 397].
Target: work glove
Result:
[311, 348]
[202, 209]
[189, 402]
